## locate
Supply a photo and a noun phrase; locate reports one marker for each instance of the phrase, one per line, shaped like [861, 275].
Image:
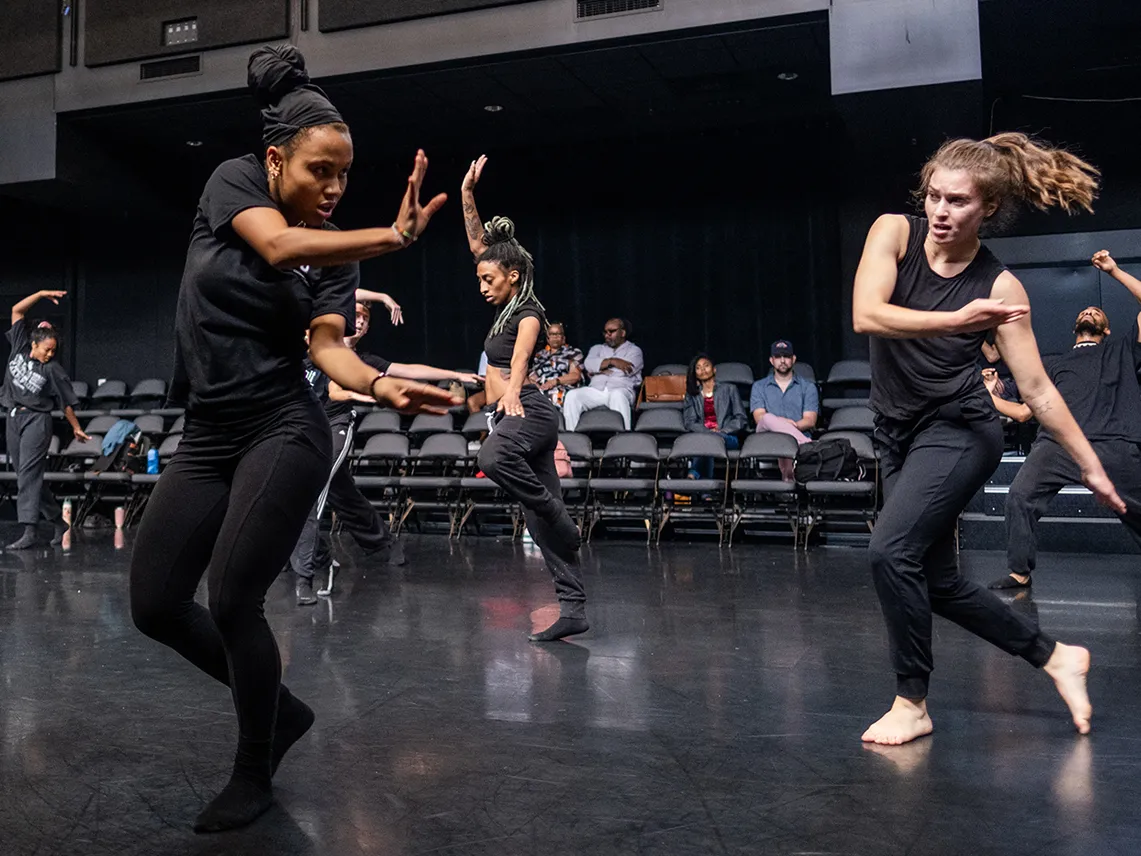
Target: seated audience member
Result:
[615, 370]
[557, 369]
[783, 402]
[711, 406]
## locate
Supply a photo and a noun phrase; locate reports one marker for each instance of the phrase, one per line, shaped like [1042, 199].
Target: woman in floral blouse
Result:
[558, 367]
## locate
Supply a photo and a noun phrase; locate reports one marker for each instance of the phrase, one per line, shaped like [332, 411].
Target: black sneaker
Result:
[305, 596]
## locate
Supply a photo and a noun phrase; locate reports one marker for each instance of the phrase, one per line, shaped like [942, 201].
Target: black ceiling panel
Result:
[30, 38]
[347, 14]
[128, 30]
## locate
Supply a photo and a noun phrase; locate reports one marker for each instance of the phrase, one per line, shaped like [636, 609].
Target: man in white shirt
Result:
[615, 370]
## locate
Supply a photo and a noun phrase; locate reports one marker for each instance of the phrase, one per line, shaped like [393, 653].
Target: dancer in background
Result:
[1098, 381]
[263, 266]
[356, 514]
[519, 455]
[927, 291]
[33, 385]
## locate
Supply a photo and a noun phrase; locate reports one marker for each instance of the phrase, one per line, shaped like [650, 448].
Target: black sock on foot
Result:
[240, 804]
[294, 718]
[1008, 582]
[560, 629]
[28, 539]
[61, 529]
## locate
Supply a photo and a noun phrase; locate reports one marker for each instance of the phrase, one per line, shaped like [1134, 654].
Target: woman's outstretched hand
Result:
[413, 217]
[407, 396]
[986, 313]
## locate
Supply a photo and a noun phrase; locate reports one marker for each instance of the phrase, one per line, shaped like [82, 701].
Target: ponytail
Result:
[1011, 167]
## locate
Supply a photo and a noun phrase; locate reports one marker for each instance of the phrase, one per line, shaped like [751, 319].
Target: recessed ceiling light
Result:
[787, 75]
[194, 143]
[494, 108]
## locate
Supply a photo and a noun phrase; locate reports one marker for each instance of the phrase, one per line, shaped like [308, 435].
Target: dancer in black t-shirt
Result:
[519, 454]
[33, 383]
[354, 512]
[926, 292]
[1098, 380]
[263, 266]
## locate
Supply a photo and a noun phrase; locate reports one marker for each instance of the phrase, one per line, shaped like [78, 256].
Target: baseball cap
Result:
[782, 348]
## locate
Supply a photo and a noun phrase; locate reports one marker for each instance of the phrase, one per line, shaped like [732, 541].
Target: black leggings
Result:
[519, 456]
[231, 504]
[931, 469]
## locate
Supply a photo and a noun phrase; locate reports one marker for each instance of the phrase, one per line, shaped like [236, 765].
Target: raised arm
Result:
[472, 223]
[24, 306]
[1015, 341]
[873, 313]
[285, 246]
[331, 355]
[1103, 261]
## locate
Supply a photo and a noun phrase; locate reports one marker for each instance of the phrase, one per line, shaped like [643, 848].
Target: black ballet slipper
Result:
[560, 629]
[239, 804]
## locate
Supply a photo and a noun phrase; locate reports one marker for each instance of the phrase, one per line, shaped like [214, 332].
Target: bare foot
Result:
[1068, 666]
[906, 721]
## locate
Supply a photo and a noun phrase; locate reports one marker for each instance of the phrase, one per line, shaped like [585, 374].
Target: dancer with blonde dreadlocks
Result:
[519, 454]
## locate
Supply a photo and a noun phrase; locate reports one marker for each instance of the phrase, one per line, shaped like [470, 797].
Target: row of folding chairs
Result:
[630, 479]
[847, 383]
[600, 425]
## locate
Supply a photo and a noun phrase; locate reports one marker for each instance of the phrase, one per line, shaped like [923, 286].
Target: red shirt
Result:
[710, 414]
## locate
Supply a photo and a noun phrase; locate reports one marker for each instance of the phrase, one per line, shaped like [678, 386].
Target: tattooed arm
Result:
[472, 223]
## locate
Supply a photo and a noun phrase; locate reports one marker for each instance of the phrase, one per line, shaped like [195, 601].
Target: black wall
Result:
[705, 243]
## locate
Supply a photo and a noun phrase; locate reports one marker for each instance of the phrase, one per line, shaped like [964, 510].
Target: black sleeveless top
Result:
[911, 377]
[501, 346]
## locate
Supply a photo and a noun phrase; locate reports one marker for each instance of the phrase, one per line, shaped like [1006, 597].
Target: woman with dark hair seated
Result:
[711, 406]
[558, 367]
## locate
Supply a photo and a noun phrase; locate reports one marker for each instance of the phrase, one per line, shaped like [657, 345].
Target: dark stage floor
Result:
[715, 707]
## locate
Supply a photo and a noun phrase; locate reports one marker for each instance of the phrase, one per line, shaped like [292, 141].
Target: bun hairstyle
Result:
[1011, 168]
[291, 104]
[508, 253]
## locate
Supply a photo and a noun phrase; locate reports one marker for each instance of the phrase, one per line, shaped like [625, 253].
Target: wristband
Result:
[373, 384]
[405, 238]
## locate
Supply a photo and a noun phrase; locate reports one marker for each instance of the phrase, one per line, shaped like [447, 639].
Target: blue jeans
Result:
[702, 468]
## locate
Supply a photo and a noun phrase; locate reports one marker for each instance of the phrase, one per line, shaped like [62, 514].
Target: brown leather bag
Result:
[662, 388]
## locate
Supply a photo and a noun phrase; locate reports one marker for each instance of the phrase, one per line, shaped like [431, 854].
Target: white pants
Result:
[585, 398]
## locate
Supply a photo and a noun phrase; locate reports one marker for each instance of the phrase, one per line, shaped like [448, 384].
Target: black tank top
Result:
[914, 376]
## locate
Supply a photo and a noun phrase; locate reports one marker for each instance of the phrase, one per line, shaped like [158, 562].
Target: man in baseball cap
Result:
[784, 402]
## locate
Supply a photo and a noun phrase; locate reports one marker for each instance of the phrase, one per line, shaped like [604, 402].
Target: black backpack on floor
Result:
[827, 460]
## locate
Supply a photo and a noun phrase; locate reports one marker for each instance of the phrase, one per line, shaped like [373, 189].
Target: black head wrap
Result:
[278, 79]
